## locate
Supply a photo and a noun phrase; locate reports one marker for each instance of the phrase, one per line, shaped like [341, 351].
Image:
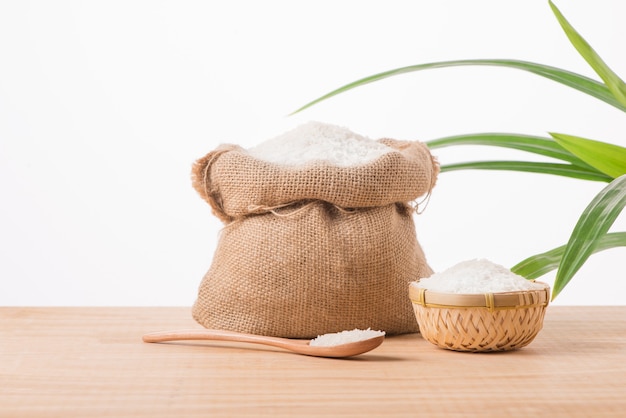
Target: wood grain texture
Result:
[91, 362]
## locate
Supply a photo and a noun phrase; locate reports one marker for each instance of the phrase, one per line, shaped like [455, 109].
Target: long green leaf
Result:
[585, 84]
[615, 84]
[537, 265]
[594, 223]
[607, 158]
[567, 170]
[547, 147]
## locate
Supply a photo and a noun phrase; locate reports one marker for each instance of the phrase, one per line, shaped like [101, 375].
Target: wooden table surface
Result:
[91, 362]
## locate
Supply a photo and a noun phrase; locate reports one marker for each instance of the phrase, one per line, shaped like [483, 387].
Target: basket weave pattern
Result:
[491, 327]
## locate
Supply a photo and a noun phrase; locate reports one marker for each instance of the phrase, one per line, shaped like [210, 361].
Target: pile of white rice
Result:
[345, 337]
[475, 277]
[316, 141]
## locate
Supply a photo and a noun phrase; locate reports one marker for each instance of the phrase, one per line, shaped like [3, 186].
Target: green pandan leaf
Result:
[568, 78]
[547, 147]
[607, 158]
[615, 84]
[592, 225]
[566, 170]
[537, 265]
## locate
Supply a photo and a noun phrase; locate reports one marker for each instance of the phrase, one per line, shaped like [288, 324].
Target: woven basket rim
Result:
[492, 301]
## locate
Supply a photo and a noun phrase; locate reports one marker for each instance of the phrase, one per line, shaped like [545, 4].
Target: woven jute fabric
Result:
[313, 249]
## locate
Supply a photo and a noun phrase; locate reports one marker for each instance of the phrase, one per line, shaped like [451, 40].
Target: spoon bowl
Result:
[297, 346]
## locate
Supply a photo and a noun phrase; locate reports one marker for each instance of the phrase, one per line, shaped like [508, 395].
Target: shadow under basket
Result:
[480, 322]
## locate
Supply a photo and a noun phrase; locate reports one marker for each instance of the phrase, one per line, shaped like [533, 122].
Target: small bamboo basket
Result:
[480, 322]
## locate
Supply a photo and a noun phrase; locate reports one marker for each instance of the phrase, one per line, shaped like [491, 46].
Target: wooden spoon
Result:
[297, 346]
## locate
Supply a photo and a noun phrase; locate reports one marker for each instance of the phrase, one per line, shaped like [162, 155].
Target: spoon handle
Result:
[219, 335]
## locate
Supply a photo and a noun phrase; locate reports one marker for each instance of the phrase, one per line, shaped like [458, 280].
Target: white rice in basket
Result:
[475, 277]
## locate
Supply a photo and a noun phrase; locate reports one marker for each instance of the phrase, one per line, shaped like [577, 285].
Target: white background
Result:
[104, 105]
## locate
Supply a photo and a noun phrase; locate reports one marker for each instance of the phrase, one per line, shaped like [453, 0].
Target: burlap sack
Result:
[314, 249]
